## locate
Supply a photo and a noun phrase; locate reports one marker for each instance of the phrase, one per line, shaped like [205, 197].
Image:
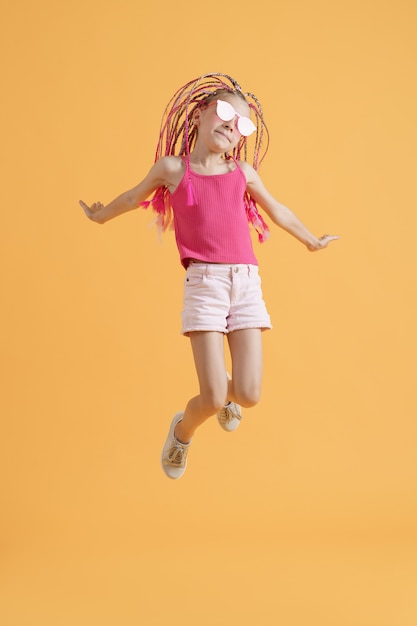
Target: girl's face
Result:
[219, 135]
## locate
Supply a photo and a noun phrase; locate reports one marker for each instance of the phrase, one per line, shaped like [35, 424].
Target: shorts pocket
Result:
[193, 280]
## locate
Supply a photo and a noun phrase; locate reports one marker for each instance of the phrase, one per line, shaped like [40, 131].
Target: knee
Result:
[248, 397]
[214, 400]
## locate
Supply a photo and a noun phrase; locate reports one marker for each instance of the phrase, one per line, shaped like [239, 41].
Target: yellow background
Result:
[307, 515]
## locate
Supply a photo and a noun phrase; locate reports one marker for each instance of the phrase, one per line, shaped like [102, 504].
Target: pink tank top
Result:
[213, 226]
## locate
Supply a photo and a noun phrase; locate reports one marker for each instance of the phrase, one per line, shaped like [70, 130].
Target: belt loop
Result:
[249, 270]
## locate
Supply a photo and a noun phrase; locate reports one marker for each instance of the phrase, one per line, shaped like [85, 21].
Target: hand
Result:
[322, 242]
[93, 212]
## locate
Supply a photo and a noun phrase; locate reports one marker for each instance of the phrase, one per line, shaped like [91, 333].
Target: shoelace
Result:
[227, 414]
[177, 455]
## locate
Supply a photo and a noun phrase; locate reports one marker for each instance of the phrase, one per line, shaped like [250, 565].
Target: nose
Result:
[230, 123]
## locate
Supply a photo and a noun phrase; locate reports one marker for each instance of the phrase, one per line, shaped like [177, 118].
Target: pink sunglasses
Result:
[226, 113]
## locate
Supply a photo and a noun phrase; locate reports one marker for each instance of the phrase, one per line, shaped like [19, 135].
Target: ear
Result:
[196, 117]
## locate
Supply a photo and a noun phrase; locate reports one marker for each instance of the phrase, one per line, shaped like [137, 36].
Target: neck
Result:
[205, 158]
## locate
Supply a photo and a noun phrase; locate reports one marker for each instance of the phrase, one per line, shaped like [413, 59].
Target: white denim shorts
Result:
[223, 298]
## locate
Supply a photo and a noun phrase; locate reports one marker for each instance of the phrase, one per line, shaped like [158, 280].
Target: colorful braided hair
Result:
[178, 136]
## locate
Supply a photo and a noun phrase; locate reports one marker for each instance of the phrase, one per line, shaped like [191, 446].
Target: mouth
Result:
[223, 135]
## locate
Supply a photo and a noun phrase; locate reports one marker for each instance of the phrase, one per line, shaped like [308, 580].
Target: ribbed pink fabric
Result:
[215, 227]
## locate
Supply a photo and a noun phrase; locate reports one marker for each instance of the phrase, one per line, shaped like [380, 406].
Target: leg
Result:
[246, 351]
[208, 351]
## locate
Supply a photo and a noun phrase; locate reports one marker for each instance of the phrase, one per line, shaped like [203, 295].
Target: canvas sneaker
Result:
[174, 453]
[229, 416]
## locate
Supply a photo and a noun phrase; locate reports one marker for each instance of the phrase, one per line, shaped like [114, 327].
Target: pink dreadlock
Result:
[178, 136]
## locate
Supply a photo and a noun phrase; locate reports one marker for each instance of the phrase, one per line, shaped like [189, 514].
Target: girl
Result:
[202, 181]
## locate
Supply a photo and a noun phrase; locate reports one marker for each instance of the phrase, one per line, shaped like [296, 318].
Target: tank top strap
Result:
[185, 161]
[238, 167]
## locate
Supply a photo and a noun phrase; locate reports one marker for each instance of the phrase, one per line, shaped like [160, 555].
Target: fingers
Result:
[326, 239]
[86, 209]
[96, 206]
[322, 242]
[92, 210]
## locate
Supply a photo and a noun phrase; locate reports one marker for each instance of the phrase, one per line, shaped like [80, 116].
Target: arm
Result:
[165, 172]
[280, 214]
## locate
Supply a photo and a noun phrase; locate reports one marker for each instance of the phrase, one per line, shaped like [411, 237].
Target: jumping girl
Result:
[202, 184]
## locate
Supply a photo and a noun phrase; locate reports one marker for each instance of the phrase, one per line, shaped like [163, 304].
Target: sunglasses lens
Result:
[246, 126]
[225, 111]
